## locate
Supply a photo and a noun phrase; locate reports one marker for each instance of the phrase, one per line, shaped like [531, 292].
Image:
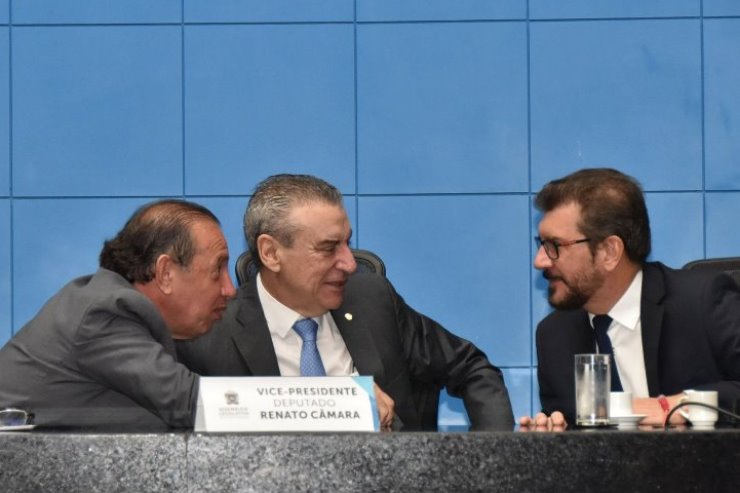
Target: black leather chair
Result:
[246, 268]
[731, 265]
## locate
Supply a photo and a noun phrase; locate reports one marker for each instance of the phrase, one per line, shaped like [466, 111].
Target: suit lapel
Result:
[352, 324]
[252, 336]
[651, 318]
[583, 335]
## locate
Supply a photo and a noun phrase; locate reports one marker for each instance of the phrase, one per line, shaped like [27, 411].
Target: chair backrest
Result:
[367, 262]
[731, 265]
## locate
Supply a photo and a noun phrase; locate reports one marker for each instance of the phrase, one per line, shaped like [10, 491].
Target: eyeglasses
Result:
[552, 247]
[15, 417]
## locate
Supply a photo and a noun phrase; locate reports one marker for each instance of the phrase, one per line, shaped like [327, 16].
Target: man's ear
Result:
[611, 251]
[268, 249]
[163, 273]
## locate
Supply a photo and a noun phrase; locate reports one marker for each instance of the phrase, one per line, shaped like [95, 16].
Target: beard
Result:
[579, 288]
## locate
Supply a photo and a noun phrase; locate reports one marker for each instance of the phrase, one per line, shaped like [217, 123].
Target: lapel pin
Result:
[348, 316]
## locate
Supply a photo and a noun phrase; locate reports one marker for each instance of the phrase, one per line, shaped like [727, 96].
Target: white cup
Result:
[620, 404]
[702, 418]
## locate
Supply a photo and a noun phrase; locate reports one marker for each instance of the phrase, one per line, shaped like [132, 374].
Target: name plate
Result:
[286, 404]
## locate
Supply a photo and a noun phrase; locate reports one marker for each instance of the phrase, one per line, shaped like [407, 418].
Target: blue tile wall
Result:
[438, 119]
[519, 383]
[251, 111]
[456, 259]
[624, 94]
[677, 227]
[440, 10]
[95, 11]
[5, 263]
[4, 114]
[721, 7]
[228, 11]
[722, 103]
[721, 232]
[97, 110]
[444, 122]
[576, 9]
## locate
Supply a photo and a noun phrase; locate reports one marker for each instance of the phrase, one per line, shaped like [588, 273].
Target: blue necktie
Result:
[311, 365]
[601, 325]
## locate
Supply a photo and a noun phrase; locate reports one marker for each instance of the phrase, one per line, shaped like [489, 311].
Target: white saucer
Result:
[17, 428]
[703, 426]
[627, 421]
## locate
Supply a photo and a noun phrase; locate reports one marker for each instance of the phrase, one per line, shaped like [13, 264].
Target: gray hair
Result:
[273, 200]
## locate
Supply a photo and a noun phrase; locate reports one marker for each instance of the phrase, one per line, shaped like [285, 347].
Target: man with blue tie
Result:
[308, 313]
[668, 330]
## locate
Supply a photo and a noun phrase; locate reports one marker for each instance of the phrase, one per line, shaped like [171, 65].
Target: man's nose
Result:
[227, 286]
[347, 261]
[541, 260]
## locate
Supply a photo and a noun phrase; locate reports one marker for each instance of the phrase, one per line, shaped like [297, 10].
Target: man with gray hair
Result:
[299, 235]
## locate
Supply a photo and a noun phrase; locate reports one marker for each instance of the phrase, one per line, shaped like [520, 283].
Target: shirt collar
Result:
[626, 312]
[280, 318]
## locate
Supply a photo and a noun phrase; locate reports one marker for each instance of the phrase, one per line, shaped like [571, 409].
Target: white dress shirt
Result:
[625, 333]
[280, 319]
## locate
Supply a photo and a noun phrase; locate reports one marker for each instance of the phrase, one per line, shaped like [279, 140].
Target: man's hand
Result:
[386, 408]
[542, 422]
[655, 414]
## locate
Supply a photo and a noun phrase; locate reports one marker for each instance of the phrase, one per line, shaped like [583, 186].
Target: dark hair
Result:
[273, 200]
[156, 228]
[611, 202]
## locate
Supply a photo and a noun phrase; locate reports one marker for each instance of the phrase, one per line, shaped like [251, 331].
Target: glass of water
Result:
[593, 384]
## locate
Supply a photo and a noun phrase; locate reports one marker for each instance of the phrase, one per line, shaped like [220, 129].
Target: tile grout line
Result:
[11, 202]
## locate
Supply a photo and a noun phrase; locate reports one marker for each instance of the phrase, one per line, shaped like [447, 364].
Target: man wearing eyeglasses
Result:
[668, 330]
[100, 353]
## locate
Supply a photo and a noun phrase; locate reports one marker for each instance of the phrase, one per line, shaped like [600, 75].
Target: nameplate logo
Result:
[286, 404]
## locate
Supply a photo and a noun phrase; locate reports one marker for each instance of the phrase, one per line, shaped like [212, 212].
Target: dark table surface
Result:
[576, 460]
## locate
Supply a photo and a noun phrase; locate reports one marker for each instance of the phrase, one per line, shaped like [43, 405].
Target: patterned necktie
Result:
[601, 325]
[311, 365]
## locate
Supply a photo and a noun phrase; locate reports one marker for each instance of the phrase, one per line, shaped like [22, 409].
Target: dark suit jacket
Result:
[98, 354]
[411, 356]
[690, 338]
